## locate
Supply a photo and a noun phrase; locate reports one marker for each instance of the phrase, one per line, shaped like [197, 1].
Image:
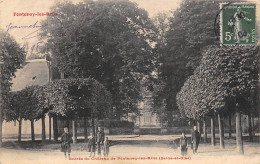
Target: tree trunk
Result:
[74, 131]
[230, 126]
[221, 132]
[32, 130]
[76, 128]
[93, 127]
[198, 127]
[55, 128]
[239, 141]
[213, 141]
[250, 128]
[1, 123]
[204, 130]
[50, 128]
[67, 124]
[20, 130]
[43, 129]
[253, 124]
[85, 130]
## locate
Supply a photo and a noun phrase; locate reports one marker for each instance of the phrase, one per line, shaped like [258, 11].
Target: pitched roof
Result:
[34, 72]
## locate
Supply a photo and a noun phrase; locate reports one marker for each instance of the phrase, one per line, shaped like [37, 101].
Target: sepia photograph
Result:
[129, 81]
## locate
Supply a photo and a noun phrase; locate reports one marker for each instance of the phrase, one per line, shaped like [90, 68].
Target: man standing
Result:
[66, 139]
[100, 139]
[195, 139]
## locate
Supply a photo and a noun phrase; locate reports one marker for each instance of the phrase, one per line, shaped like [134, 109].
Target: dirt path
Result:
[134, 149]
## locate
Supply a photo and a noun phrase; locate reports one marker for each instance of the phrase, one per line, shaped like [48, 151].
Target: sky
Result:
[8, 7]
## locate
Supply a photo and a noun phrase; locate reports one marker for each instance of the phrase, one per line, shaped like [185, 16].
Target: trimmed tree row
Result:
[67, 99]
[223, 84]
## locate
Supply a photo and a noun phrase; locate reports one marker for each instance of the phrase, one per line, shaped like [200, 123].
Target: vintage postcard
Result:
[129, 81]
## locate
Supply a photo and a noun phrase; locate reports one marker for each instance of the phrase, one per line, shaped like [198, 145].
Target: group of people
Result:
[195, 140]
[99, 140]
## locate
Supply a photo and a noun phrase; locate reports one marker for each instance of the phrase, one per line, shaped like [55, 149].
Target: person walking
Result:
[195, 139]
[66, 140]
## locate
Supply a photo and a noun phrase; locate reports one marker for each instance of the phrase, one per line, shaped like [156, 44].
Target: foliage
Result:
[226, 76]
[161, 21]
[69, 98]
[191, 29]
[12, 57]
[25, 104]
[12, 106]
[109, 41]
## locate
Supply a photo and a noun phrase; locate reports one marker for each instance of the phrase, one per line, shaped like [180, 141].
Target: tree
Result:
[109, 41]
[11, 59]
[15, 113]
[41, 107]
[221, 84]
[73, 98]
[25, 104]
[161, 22]
[29, 102]
[191, 29]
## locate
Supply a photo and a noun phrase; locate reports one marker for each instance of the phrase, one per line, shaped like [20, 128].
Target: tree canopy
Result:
[25, 104]
[190, 30]
[225, 77]
[69, 98]
[12, 57]
[109, 41]
[66, 98]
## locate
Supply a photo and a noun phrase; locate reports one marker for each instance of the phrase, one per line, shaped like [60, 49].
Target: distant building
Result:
[147, 119]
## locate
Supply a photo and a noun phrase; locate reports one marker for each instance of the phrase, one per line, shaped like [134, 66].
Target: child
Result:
[106, 147]
[92, 145]
[66, 139]
[183, 144]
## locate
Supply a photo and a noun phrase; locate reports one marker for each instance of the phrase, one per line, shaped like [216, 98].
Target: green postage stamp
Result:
[238, 23]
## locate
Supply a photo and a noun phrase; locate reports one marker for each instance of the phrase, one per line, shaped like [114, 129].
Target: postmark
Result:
[238, 24]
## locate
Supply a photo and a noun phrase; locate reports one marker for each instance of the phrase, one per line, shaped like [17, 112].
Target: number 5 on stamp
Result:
[238, 24]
